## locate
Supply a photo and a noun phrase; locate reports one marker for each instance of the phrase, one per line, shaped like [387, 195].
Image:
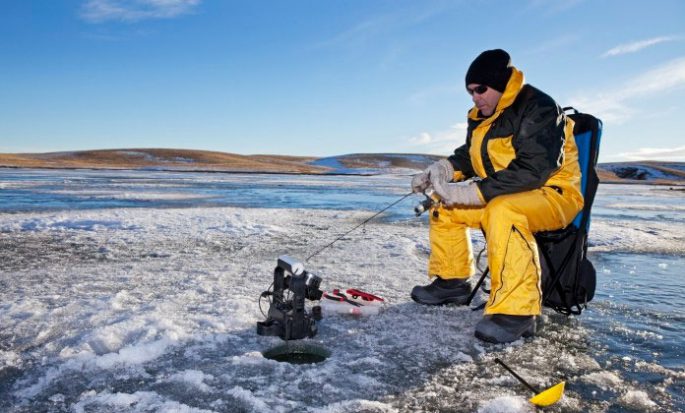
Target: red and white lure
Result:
[352, 301]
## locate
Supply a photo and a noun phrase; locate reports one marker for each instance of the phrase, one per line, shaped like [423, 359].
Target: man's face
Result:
[485, 98]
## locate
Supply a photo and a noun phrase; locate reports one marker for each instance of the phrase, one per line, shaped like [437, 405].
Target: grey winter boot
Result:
[502, 328]
[439, 292]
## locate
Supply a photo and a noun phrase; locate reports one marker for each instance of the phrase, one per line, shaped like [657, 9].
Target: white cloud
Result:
[664, 77]
[553, 7]
[440, 143]
[427, 94]
[613, 105]
[424, 138]
[637, 46]
[664, 154]
[367, 30]
[557, 43]
[97, 11]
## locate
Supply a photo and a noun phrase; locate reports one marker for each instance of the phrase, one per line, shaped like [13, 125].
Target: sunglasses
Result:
[478, 90]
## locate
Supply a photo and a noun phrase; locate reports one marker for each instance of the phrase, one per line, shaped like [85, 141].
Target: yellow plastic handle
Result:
[549, 396]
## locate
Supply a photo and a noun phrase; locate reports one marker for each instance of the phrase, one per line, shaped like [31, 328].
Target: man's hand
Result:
[441, 171]
[459, 194]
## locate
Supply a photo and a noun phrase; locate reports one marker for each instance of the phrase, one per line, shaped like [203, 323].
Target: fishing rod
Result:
[402, 198]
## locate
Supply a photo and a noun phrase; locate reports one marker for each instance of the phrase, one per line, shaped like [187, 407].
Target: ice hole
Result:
[297, 353]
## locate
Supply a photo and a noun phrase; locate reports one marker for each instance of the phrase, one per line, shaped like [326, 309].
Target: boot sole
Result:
[452, 300]
[526, 334]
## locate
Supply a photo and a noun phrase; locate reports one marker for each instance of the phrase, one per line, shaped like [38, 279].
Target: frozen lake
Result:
[137, 291]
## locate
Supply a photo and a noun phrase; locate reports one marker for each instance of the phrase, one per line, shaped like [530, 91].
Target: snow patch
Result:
[637, 399]
[246, 396]
[647, 207]
[605, 380]
[140, 401]
[357, 405]
[506, 404]
[134, 354]
[194, 378]
[9, 359]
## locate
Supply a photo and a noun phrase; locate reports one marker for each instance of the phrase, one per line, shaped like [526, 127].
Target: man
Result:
[521, 151]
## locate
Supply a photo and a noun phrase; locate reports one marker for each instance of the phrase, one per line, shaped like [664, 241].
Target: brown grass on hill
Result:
[175, 159]
[607, 176]
[666, 168]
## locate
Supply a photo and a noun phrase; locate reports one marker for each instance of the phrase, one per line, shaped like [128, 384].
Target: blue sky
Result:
[326, 77]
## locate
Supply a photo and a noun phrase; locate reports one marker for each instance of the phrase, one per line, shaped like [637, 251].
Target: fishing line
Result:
[362, 223]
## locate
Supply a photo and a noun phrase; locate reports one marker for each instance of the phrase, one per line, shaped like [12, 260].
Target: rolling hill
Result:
[654, 172]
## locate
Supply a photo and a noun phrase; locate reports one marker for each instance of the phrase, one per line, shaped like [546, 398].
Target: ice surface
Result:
[154, 309]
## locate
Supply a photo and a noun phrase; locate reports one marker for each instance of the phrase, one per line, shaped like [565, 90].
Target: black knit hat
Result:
[491, 68]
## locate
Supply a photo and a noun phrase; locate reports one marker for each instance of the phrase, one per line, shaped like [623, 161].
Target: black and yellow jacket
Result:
[527, 143]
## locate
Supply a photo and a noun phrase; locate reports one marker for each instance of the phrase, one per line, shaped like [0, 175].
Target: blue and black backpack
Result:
[568, 277]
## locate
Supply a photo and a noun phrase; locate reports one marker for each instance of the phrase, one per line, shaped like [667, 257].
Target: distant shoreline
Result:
[235, 172]
[680, 185]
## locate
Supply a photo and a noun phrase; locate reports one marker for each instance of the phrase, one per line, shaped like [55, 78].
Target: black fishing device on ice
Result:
[287, 317]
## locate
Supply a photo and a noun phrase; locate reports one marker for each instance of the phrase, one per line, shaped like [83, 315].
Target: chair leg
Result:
[477, 286]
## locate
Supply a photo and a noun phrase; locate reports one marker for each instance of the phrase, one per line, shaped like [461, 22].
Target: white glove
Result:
[459, 194]
[441, 171]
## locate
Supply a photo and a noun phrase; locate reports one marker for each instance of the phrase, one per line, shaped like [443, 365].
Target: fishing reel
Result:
[287, 316]
[428, 203]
